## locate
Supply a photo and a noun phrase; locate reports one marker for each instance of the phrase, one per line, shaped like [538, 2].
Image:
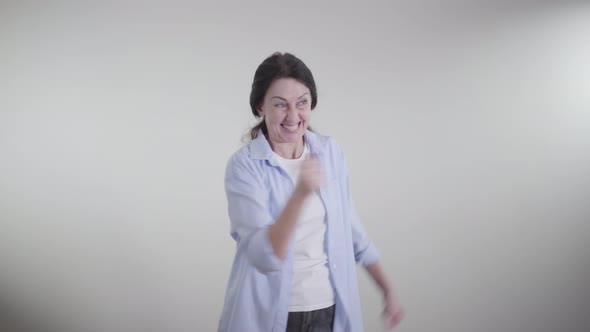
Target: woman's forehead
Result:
[287, 88]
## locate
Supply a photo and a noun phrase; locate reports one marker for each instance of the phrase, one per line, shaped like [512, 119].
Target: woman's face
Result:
[286, 109]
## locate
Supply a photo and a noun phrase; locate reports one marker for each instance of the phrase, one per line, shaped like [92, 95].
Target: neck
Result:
[288, 150]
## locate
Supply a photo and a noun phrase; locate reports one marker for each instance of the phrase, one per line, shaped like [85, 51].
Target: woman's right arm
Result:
[280, 232]
[264, 240]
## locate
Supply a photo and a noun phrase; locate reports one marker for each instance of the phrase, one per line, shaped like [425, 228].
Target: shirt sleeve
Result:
[250, 215]
[365, 252]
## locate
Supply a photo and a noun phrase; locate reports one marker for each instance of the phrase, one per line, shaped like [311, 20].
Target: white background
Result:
[466, 125]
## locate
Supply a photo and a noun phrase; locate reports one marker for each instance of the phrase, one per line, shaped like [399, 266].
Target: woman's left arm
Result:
[393, 312]
[366, 254]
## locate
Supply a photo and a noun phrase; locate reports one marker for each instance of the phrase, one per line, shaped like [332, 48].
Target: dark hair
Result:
[279, 65]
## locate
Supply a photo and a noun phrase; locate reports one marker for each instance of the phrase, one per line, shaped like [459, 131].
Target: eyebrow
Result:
[286, 99]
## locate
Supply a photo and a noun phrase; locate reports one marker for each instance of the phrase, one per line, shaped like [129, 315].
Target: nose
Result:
[292, 114]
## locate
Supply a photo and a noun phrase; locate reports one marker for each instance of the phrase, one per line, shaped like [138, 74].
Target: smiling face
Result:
[286, 109]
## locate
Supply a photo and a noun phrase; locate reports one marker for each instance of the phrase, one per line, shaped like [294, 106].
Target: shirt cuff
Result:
[368, 256]
[261, 253]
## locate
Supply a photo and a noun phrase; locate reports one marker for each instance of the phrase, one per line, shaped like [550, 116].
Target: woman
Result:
[297, 233]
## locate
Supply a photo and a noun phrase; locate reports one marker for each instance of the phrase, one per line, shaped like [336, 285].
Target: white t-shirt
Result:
[310, 285]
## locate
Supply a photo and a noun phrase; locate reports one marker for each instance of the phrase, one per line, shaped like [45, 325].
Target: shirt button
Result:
[334, 265]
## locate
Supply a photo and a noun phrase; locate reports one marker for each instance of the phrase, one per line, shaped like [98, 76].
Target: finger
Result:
[392, 323]
[397, 317]
[392, 319]
[310, 163]
[313, 159]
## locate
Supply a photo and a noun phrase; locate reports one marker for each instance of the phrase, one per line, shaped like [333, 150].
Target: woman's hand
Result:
[393, 313]
[310, 176]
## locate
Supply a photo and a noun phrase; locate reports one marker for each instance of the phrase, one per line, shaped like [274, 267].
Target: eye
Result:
[302, 102]
[280, 105]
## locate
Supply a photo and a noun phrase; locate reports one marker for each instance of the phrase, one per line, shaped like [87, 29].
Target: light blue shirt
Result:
[257, 188]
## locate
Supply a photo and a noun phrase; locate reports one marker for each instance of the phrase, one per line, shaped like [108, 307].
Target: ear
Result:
[260, 112]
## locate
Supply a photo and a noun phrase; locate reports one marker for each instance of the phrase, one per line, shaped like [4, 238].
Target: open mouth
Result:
[291, 127]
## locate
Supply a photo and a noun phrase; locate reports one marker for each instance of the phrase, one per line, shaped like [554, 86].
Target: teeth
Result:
[292, 127]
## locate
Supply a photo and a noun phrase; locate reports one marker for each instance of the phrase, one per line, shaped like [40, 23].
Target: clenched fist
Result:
[310, 175]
